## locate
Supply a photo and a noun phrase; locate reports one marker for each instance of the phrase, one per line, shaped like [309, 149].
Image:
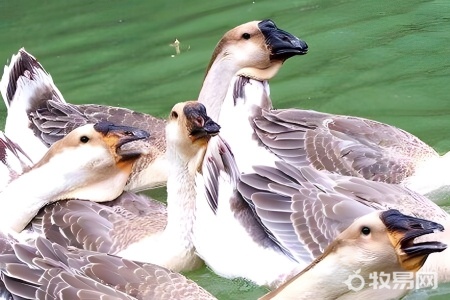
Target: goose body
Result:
[38, 115]
[93, 163]
[309, 208]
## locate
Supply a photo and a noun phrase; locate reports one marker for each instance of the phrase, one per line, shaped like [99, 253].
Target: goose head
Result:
[188, 131]
[257, 49]
[385, 240]
[254, 50]
[95, 160]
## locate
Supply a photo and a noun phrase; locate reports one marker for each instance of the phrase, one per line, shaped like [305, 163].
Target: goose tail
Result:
[25, 87]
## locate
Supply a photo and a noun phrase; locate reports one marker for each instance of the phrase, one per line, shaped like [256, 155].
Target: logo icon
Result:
[353, 286]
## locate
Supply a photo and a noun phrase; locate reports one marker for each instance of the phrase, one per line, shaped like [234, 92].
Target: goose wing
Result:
[305, 209]
[219, 169]
[54, 119]
[106, 227]
[341, 144]
[48, 270]
[26, 84]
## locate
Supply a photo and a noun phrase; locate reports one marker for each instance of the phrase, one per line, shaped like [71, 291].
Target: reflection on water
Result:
[377, 59]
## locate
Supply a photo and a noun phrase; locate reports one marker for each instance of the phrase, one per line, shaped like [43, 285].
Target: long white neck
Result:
[23, 197]
[215, 85]
[180, 203]
[327, 280]
[175, 244]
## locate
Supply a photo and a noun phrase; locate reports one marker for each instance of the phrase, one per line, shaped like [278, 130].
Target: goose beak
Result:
[116, 137]
[402, 230]
[282, 44]
[200, 125]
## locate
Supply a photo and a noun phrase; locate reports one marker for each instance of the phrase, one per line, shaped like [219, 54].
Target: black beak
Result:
[120, 137]
[201, 124]
[283, 45]
[126, 133]
[408, 228]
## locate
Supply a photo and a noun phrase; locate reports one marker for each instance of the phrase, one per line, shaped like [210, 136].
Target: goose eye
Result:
[174, 114]
[365, 230]
[246, 36]
[84, 139]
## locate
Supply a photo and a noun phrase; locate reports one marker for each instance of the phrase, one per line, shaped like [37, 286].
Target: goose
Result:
[344, 145]
[93, 162]
[46, 269]
[132, 225]
[304, 209]
[28, 91]
[38, 115]
[379, 243]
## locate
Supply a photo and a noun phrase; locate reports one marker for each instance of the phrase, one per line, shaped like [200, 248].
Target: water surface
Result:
[383, 60]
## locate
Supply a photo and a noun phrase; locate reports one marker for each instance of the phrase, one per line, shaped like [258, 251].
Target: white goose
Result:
[380, 241]
[38, 114]
[187, 133]
[93, 162]
[134, 226]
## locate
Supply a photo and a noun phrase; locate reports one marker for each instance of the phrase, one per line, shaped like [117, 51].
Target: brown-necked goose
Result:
[132, 226]
[378, 244]
[309, 208]
[38, 115]
[92, 162]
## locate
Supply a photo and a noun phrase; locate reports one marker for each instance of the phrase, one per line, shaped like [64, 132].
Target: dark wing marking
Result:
[218, 162]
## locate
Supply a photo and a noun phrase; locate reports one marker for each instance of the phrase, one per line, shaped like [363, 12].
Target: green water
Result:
[386, 60]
